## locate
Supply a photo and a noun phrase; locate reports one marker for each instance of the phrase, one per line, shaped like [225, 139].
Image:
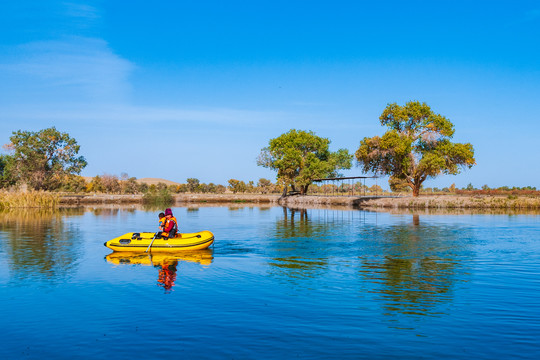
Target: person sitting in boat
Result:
[162, 221]
[171, 225]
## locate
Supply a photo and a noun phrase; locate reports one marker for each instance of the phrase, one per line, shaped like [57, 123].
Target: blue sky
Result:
[180, 89]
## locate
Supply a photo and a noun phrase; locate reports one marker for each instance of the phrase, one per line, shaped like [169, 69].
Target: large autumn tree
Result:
[42, 159]
[417, 145]
[300, 156]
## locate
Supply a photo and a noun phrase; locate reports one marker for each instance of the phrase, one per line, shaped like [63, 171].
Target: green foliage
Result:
[5, 179]
[182, 188]
[416, 146]
[95, 185]
[502, 190]
[155, 196]
[264, 186]
[193, 185]
[301, 156]
[237, 186]
[142, 187]
[73, 183]
[111, 184]
[42, 159]
[208, 188]
[129, 186]
[398, 185]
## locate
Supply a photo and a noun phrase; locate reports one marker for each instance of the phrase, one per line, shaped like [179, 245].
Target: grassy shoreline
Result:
[408, 202]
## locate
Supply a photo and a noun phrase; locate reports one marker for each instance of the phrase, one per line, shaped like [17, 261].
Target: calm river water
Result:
[278, 284]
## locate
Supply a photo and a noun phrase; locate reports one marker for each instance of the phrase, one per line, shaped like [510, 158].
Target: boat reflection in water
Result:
[167, 263]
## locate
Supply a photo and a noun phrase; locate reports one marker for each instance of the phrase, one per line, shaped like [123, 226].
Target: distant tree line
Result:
[501, 190]
[416, 146]
[484, 190]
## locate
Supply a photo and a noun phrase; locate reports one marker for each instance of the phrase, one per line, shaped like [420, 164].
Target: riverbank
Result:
[388, 202]
[93, 199]
[455, 202]
[180, 199]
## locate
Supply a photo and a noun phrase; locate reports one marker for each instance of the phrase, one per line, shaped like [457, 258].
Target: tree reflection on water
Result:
[39, 243]
[417, 267]
[411, 267]
[298, 247]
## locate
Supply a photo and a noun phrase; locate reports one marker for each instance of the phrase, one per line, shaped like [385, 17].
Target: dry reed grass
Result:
[30, 199]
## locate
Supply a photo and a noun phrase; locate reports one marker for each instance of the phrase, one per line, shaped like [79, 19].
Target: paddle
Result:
[154, 238]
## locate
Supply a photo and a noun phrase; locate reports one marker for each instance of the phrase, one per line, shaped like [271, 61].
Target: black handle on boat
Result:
[154, 238]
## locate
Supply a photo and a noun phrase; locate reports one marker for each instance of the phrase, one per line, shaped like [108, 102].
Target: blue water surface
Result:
[278, 284]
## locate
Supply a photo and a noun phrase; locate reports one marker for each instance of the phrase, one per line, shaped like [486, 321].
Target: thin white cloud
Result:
[81, 11]
[77, 68]
[133, 115]
[83, 80]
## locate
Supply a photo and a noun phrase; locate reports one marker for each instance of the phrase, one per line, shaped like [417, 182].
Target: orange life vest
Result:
[174, 229]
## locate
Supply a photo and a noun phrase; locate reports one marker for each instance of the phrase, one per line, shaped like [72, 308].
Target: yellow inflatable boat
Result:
[139, 242]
